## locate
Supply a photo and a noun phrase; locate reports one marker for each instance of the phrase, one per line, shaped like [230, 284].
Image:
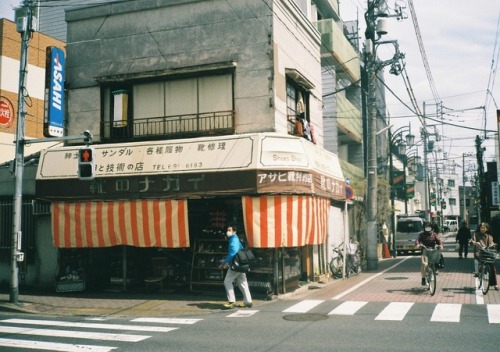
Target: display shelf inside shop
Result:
[72, 274]
[207, 255]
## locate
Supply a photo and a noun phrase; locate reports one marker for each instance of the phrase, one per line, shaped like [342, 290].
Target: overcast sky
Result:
[462, 49]
[459, 39]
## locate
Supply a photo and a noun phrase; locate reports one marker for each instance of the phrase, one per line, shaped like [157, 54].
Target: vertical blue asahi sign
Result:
[53, 125]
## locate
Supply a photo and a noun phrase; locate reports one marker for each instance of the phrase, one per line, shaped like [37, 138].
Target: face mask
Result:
[428, 229]
[229, 234]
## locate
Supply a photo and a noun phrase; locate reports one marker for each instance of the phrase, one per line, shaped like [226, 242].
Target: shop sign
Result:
[6, 113]
[255, 163]
[54, 92]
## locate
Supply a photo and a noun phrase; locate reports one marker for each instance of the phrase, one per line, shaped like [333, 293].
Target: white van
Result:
[407, 231]
[450, 225]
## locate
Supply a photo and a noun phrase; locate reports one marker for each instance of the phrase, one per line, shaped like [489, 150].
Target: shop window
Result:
[182, 107]
[297, 102]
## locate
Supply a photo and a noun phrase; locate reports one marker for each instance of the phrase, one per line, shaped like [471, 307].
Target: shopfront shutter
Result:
[145, 223]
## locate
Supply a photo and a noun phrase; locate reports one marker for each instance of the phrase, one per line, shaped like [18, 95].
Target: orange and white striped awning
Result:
[285, 220]
[143, 223]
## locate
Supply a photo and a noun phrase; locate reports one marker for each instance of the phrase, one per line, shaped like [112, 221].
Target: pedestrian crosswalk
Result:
[98, 336]
[70, 335]
[394, 311]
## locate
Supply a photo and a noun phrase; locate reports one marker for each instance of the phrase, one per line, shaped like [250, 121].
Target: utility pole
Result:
[25, 26]
[375, 28]
[482, 185]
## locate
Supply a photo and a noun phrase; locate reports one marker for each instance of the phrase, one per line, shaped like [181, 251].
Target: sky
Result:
[460, 40]
[461, 47]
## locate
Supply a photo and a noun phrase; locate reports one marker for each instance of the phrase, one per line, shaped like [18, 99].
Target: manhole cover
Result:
[397, 278]
[305, 317]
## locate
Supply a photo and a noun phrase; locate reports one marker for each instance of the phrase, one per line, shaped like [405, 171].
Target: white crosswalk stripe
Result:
[81, 330]
[447, 312]
[348, 308]
[395, 311]
[304, 306]
[493, 313]
[53, 346]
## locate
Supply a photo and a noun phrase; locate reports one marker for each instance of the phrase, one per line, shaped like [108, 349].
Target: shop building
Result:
[195, 108]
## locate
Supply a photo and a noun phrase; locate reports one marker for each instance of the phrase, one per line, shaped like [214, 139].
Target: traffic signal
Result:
[443, 204]
[86, 170]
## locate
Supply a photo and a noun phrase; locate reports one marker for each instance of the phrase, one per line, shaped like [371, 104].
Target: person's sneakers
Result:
[476, 274]
[245, 305]
[496, 288]
[424, 282]
[229, 305]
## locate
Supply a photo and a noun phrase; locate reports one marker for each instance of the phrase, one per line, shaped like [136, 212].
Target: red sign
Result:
[6, 113]
[349, 192]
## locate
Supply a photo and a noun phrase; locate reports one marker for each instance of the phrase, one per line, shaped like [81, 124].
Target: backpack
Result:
[242, 260]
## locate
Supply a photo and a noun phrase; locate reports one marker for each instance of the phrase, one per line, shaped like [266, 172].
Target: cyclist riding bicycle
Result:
[483, 239]
[429, 239]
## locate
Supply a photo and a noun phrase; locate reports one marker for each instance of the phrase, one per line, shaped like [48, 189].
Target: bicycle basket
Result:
[487, 256]
[433, 255]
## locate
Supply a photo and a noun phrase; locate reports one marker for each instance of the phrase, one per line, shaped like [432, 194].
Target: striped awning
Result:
[144, 223]
[285, 220]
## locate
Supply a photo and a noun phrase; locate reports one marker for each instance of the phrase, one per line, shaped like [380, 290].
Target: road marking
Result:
[447, 312]
[479, 293]
[493, 313]
[348, 308]
[242, 314]
[303, 306]
[73, 334]
[166, 320]
[51, 346]
[395, 311]
[88, 325]
[355, 287]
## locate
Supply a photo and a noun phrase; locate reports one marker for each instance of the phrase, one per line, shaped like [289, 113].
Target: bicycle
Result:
[353, 263]
[433, 256]
[486, 259]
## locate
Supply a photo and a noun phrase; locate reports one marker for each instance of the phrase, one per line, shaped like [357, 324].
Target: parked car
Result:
[407, 231]
[450, 225]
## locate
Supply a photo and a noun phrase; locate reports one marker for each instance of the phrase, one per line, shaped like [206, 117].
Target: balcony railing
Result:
[170, 127]
[335, 45]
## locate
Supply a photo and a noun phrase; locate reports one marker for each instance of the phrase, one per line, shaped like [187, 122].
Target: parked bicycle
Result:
[433, 256]
[352, 264]
[486, 259]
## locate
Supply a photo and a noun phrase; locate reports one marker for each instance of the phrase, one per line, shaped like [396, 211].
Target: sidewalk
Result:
[141, 304]
[456, 285]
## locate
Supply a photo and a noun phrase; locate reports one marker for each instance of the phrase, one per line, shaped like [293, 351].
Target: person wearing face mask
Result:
[429, 239]
[483, 239]
[240, 279]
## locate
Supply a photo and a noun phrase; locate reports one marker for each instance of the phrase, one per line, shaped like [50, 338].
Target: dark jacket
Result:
[463, 235]
[428, 239]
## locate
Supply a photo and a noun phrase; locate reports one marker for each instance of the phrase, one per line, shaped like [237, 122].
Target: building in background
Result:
[10, 51]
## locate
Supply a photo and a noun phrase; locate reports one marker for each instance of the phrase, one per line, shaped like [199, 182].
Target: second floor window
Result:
[168, 107]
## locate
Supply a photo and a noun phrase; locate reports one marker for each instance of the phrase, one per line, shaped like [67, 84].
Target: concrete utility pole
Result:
[24, 25]
[375, 27]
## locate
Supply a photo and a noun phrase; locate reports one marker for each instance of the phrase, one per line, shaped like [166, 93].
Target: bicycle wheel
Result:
[431, 280]
[479, 280]
[336, 265]
[485, 279]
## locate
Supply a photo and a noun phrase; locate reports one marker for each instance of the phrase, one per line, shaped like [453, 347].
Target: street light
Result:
[375, 26]
[398, 145]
